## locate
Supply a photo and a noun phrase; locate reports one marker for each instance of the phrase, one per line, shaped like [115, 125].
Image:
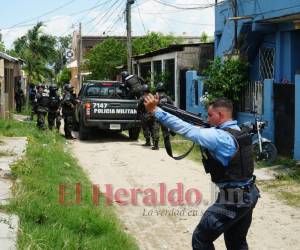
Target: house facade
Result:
[268, 35]
[170, 64]
[10, 74]
[88, 42]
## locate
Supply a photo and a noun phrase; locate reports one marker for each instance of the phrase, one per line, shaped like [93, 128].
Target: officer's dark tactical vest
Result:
[54, 102]
[241, 165]
[43, 99]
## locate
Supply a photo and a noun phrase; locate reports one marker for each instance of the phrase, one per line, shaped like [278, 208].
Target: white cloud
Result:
[57, 26]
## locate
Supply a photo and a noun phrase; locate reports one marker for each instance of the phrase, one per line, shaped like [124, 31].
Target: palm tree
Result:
[37, 49]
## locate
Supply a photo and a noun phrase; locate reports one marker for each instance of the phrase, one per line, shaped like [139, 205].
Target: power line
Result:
[176, 20]
[16, 26]
[103, 16]
[141, 19]
[184, 8]
[119, 18]
[44, 14]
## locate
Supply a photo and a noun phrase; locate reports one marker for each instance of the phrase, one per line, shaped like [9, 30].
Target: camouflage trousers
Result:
[150, 128]
[54, 119]
[41, 119]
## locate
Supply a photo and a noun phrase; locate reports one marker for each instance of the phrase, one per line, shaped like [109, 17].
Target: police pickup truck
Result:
[103, 105]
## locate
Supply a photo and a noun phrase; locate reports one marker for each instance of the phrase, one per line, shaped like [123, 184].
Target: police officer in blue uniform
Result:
[227, 157]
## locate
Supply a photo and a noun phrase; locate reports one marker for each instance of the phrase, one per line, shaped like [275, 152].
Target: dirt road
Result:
[126, 164]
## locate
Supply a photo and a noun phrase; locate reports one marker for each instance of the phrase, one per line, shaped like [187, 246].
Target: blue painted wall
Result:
[191, 77]
[258, 9]
[191, 105]
[283, 36]
[297, 119]
[258, 34]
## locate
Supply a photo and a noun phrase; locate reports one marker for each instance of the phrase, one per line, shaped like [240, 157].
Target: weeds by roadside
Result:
[44, 223]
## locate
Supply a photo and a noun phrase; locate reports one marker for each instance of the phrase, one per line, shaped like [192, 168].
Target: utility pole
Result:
[79, 57]
[129, 42]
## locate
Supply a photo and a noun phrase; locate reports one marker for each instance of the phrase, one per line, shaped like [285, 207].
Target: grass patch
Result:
[26, 110]
[287, 184]
[44, 223]
[286, 190]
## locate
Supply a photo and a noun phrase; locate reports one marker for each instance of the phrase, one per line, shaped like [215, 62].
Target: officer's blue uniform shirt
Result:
[220, 143]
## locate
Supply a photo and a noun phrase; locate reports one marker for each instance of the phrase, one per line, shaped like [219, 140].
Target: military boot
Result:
[155, 145]
[148, 143]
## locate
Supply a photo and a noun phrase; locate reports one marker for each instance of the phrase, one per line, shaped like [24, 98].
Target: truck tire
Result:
[134, 133]
[83, 131]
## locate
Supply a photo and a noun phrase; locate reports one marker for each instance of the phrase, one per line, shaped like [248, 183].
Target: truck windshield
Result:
[104, 90]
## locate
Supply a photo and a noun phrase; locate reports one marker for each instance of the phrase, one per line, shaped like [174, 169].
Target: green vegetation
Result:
[2, 46]
[44, 222]
[64, 76]
[226, 78]
[43, 54]
[103, 59]
[152, 41]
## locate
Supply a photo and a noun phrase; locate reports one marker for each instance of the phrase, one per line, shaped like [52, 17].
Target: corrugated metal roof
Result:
[8, 57]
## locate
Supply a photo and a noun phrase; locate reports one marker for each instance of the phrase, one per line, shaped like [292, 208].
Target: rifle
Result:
[133, 84]
[184, 115]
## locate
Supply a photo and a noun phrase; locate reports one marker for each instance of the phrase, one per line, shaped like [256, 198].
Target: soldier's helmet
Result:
[53, 88]
[124, 74]
[40, 85]
[68, 87]
[145, 88]
[160, 87]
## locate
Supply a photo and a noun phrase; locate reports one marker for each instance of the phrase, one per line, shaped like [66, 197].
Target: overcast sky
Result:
[105, 17]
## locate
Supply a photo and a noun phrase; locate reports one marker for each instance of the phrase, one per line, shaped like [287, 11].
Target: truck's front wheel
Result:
[134, 133]
[83, 131]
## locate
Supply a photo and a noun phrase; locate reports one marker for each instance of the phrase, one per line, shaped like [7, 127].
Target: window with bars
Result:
[266, 63]
[253, 97]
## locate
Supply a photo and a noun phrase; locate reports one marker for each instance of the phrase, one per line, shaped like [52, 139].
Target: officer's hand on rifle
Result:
[151, 102]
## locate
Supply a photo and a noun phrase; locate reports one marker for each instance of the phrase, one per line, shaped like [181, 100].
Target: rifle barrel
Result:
[184, 115]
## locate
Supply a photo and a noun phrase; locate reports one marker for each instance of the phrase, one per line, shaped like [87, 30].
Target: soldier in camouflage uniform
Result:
[54, 117]
[150, 125]
[68, 108]
[163, 98]
[42, 102]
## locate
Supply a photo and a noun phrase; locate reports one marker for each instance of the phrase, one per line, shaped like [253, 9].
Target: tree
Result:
[226, 79]
[64, 76]
[2, 47]
[204, 37]
[62, 45]
[103, 59]
[38, 51]
[152, 41]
